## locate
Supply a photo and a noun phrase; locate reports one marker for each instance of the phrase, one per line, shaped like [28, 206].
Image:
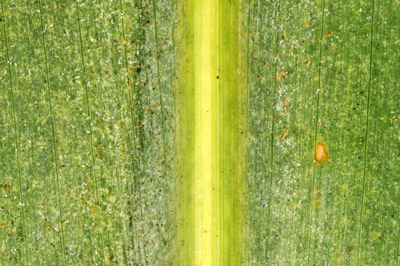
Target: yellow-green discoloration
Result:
[211, 134]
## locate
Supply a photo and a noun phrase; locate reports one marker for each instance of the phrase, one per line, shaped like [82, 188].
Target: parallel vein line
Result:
[16, 139]
[91, 133]
[54, 148]
[366, 134]
[272, 133]
[315, 135]
[130, 103]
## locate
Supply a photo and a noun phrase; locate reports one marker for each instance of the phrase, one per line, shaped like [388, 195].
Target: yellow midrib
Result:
[210, 140]
[203, 49]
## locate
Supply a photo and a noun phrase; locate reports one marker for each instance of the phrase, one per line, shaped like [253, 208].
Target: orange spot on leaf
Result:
[321, 153]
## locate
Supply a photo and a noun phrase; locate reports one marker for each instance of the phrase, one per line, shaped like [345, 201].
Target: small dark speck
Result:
[63, 166]
[217, 77]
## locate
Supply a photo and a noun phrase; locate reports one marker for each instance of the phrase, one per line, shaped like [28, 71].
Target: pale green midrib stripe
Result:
[91, 134]
[232, 99]
[16, 137]
[366, 134]
[185, 232]
[53, 143]
[247, 130]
